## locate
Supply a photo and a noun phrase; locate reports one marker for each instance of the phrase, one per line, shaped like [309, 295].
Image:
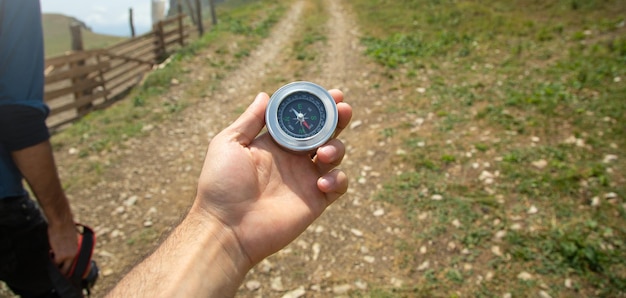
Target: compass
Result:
[301, 116]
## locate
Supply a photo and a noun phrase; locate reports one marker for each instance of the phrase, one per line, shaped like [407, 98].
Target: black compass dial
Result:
[301, 115]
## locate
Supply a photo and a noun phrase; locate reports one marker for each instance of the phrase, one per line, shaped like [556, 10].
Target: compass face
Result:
[301, 116]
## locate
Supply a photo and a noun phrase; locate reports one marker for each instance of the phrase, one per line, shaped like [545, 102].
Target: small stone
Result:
[532, 210]
[107, 272]
[436, 197]
[507, 295]
[174, 82]
[500, 234]
[421, 144]
[544, 294]
[369, 259]
[341, 289]
[496, 250]
[524, 276]
[356, 124]
[516, 226]
[276, 284]
[266, 266]
[362, 180]
[361, 285]
[595, 201]
[147, 127]
[423, 266]
[540, 164]
[568, 283]
[379, 212]
[396, 282]
[297, 293]
[147, 223]
[617, 79]
[451, 246]
[120, 209]
[420, 89]
[131, 201]
[356, 232]
[489, 276]
[610, 195]
[316, 250]
[423, 249]
[253, 285]
[609, 158]
[456, 223]
[400, 152]
[73, 151]
[534, 139]
[115, 233]
[419, 121]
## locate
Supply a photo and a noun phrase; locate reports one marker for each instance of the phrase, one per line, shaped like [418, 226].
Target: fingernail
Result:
[327, 182]
[328, 150]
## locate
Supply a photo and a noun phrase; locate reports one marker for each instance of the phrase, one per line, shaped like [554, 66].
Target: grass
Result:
[106, 130]
[528, 106]
[57, 38]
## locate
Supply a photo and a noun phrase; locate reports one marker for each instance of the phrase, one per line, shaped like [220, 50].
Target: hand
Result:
[264, 194]
[64, 244]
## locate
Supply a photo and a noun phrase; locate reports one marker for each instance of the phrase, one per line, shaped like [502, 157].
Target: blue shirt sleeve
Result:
[21, 54]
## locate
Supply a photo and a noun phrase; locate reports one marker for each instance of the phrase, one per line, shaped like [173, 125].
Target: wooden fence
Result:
[78, 82]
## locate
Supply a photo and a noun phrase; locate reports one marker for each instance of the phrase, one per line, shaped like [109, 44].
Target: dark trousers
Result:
[24, 248]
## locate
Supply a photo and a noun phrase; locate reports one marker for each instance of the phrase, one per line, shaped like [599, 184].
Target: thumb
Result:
[250, 123]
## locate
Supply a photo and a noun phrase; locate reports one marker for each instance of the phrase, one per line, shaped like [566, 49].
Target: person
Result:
[26, 237]
[253, 199]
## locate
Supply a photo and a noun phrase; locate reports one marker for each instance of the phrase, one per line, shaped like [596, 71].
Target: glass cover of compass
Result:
[301, 116]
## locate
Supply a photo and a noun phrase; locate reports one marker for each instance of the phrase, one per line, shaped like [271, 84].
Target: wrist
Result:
[219, 262]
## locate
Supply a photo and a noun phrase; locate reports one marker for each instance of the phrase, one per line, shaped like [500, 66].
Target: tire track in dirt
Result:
[154, 177]
[350, 247]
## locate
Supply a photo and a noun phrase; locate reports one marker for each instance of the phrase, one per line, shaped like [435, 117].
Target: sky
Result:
[105, 16]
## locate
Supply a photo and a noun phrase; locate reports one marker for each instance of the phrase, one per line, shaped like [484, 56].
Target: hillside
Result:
[57, 35]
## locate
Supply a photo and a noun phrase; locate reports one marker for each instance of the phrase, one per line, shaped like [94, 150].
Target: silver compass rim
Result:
[301, 144]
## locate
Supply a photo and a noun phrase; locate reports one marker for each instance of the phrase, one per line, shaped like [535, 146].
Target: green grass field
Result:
[517, 179]
[515, 183]
[57, 38]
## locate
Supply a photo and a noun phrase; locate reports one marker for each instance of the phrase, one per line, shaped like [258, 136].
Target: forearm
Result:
[36, 163]
[199, 259]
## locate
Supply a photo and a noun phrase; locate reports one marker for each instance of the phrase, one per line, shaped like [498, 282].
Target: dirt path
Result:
[152, 182]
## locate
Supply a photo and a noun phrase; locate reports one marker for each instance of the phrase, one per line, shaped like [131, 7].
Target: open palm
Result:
[266, 195]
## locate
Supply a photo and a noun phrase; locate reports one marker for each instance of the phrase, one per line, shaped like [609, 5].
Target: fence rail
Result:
[78, 82]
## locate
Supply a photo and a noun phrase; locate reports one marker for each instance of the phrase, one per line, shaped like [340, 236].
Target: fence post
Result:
[77, 37]
[159, 50]
[213, 16]
[130, 19]
[199, 16]
[101, 76]
[77, 46]
[181, 31]
[192, 12]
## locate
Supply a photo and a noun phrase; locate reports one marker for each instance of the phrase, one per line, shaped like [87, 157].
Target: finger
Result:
[345, 115]
[250, 123]
[343, 109]
[334, 184]
[330, 155]
[64, 266]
